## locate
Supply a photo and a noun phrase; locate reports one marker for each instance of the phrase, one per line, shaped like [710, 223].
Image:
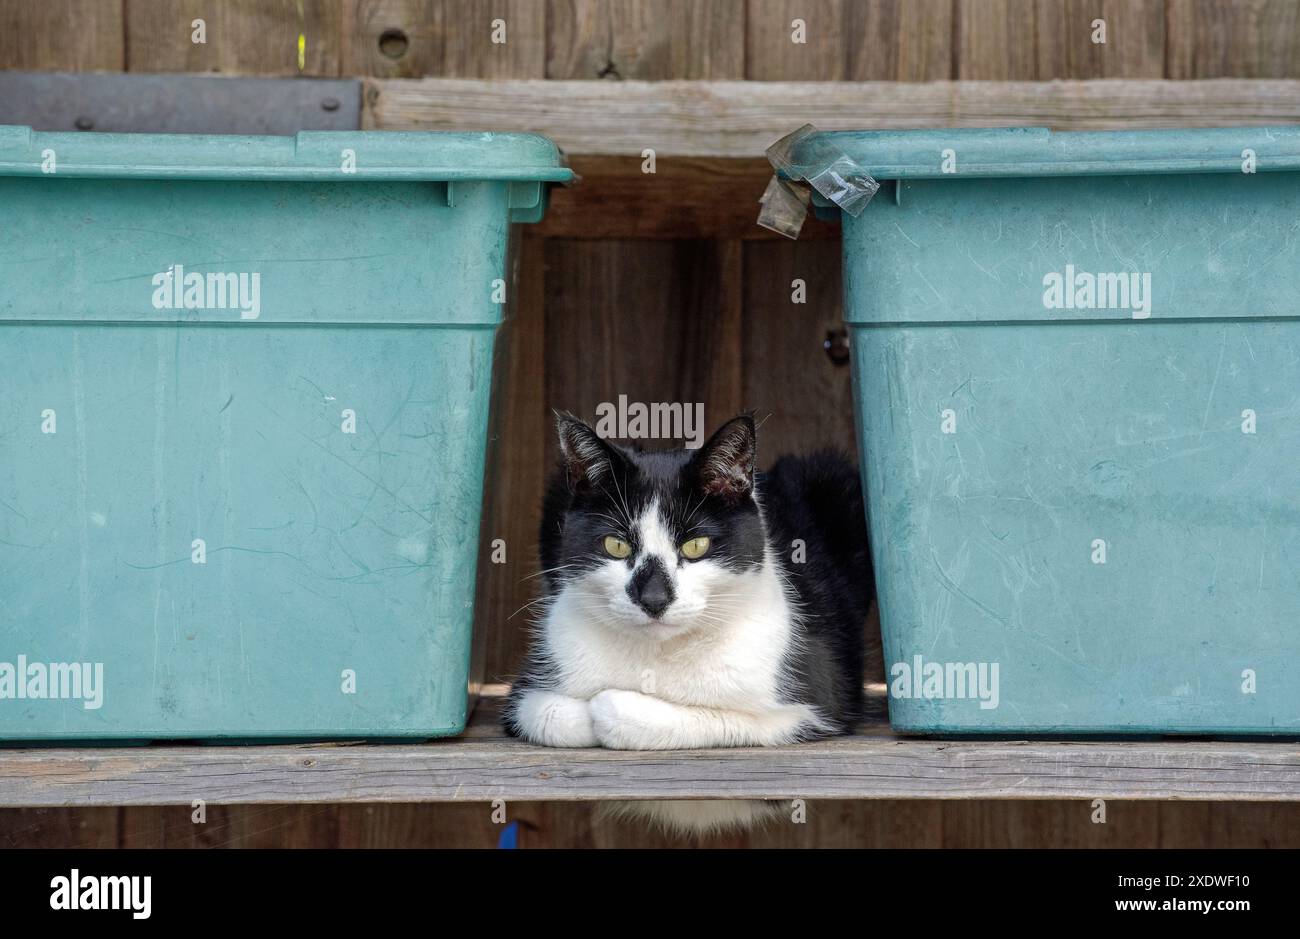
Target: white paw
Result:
[555, 720]
[628, 720]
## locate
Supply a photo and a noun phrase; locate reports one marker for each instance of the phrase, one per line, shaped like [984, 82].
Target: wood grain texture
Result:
[995, 40]
[1041, 40]
[804, 400]
[849, 40]
[1238, 39]
[829, 824]
[60, 828]
[656, 321]
[516, 465]
[873, 764]
[449, 38]
[740, 119]
[645, 39]
[253, 37]
[1134, 33]
[62, 35]
[226, 826]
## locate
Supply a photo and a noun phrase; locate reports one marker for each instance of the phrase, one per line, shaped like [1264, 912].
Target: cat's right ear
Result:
[588, 460]
[725, 464]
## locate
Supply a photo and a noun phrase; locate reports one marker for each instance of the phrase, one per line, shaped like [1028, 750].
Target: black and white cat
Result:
[692, 602]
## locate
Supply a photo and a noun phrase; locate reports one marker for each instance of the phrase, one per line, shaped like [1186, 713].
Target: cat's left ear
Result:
[724, 466]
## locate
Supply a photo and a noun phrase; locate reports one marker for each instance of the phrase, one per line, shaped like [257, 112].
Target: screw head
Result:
[84, 123]
[836, 345]
[330, 104]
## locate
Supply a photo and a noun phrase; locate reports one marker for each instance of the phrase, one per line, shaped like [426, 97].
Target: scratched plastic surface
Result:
[1073, 426]
[327, 553]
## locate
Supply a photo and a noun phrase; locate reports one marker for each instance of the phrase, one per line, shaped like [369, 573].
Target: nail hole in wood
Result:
[393, 43]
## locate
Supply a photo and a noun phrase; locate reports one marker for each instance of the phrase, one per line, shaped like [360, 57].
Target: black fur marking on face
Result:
[604, 489]
[650, 588]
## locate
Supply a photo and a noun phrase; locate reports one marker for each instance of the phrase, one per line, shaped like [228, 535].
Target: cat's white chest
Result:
[735, 663]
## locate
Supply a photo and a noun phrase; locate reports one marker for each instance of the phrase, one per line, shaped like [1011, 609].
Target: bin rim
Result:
[1039, 151]
[432, 156]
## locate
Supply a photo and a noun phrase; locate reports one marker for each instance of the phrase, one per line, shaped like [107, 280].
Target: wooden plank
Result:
[62, 35]
[1066, 46]
[805, 400]
[516, 466]
[415, 826]
[1055, 824]
[924, 49]
[856, 768]
[1041, 40]
[828, 824]
[645, 39]
[223, 826]
[849, 40]
[740, 119]
[254, 37]
[59, 828]
[665, 317]
[995, 40]
[1262, 825]
[873, 764]
[449, 38]
[772, 52]
[1242, 39]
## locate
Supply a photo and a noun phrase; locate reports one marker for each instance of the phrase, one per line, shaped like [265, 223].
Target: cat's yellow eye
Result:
[695, 549]
[617, 547]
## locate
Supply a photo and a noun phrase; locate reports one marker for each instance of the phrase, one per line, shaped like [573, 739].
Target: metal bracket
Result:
[177, 104]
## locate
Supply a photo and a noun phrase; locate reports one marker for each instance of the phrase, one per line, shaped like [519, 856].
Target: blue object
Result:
[244, 386]
[1076, 364]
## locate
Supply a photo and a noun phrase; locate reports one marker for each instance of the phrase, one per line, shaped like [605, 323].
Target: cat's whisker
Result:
[549, 570]
[627, 512]
[699, 505]
[618, 523]
[530, 603]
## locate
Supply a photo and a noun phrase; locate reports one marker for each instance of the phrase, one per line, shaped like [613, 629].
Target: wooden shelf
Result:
[484, 765]
[740, 119]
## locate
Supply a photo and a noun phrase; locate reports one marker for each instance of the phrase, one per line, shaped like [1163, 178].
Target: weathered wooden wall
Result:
[847, 40]
[672, 318]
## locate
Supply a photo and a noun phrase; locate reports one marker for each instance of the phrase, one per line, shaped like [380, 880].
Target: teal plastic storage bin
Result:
[1076, 363]
[244, 390]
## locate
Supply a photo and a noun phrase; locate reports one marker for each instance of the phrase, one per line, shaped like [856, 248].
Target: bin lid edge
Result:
[1038, 151]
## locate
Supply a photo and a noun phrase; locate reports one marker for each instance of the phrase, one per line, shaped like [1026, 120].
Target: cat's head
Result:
[659, 543]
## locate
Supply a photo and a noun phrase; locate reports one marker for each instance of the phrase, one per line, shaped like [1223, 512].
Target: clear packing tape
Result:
[820, 167]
